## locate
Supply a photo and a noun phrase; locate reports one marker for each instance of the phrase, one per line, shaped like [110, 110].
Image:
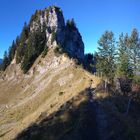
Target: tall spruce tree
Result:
[134, 52]
[12, 51]
[22, 43]
[124, 68]
[6, 61]
[35, 46]
[106, 56]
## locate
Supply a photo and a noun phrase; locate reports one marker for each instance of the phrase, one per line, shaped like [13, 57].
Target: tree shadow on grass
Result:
[71, 122]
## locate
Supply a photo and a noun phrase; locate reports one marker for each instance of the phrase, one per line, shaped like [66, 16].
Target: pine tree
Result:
[124, 68]
[6, 61]
[12, 51]
[134, 52]
[17, 42]
[106, 56]
[22, 43]
[90, 62]
[35, 46]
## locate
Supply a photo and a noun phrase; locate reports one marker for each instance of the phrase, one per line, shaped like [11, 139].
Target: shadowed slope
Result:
[51, 82]
[75, 120]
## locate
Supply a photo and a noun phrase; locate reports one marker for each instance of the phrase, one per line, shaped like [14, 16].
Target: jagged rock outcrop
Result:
[57, 33]
[73, 42]
[46, 29]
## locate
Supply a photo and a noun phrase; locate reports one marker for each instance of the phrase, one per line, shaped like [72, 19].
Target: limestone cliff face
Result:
[58, 33]
[73, 43]
[56, 24]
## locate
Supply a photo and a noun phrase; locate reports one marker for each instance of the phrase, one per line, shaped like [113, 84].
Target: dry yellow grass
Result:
[24, 99]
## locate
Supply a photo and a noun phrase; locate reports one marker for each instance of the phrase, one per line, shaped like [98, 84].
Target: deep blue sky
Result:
[92, 17]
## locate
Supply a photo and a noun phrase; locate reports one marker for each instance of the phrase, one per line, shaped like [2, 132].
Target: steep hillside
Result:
[45, 92]
[41, 72]
[76, 119]
[46, 30]
[50, 83]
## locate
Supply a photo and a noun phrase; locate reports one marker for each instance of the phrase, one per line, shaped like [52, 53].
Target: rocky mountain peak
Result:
[51, 17]
[57, 32]
[46, 31]
[55, 19]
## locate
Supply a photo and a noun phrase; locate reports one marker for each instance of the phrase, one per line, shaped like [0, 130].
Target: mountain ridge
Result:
[47, 91]
[52, 77]
[46, 30]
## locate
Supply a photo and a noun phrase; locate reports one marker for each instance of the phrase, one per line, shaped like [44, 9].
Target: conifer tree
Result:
[123, 61]
[12, 51]
[106, 56]
[5, 61]
[22, 45]
[134, 52]
[35, 46]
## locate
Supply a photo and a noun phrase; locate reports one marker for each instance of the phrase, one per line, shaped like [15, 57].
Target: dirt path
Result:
[99, 115]
[90, 119]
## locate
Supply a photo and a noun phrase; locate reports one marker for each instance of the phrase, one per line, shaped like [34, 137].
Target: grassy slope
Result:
[24, 98]
[75, 120]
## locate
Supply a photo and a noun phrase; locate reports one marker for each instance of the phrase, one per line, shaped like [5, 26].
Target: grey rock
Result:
[73, 43]
[57, 33]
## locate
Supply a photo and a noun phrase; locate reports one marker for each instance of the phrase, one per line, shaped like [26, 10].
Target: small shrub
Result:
[58, 50]
[53, 36]
[61, 93]
[44, 53]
